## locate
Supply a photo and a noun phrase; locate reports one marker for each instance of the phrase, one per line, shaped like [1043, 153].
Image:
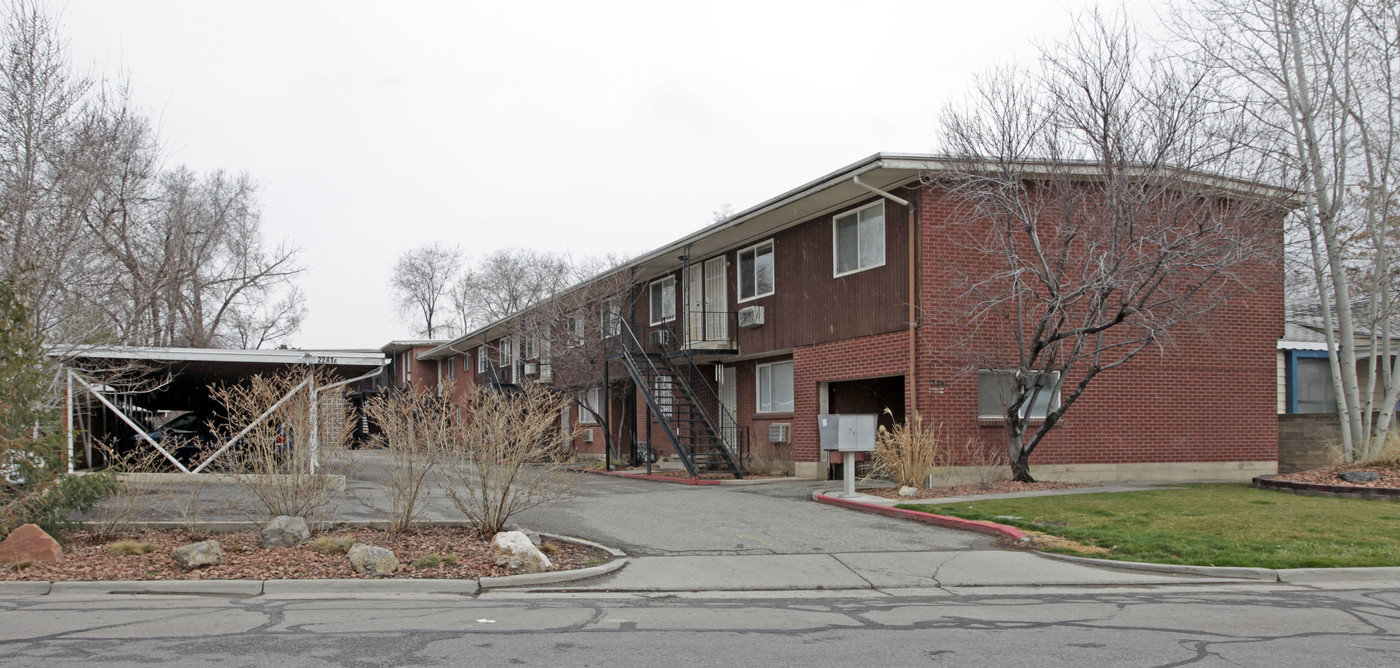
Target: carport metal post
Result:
[68, 406]
[314, 440]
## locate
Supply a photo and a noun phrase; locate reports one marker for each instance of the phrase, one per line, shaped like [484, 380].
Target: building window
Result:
[451, 369]
[575, 331]
[532, 347]
[466, 362]
[589, 406]
[482, 362]
[858, 239]
[504, 348]
[756, 271]
[663, 300]
[997, 389]
[775, 387]
[612, 318]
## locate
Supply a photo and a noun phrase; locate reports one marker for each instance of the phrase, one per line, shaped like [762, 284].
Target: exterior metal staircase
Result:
[675, 406]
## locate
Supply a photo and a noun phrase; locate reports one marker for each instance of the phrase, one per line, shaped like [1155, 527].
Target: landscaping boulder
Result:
[1359, 476]
[372, 560]
[533, 536]
[198, 555]
[284, 531]
[29, 543]
[514, 550]
[908, 491]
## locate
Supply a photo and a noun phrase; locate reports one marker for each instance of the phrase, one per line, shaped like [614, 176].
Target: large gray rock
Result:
[1359, 476]
[372, 560]
[514, 550]
[198, 555]
[284, 531]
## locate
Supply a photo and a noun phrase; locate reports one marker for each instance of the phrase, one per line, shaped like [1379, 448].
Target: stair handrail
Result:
[689, 354]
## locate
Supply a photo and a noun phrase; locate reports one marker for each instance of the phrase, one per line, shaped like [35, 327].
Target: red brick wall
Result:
[1209, 396]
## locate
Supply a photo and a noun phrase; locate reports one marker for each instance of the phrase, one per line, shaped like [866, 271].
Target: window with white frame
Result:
[451, 369]
[997, 389]
[590, 406]
[506, 355]
[575, 331]
[483, 363]
[532, 347]
[612, 318]
[466, 362]
[858, 239]
[663, 300]
[775, 387]
[407, 367]
[756, 271]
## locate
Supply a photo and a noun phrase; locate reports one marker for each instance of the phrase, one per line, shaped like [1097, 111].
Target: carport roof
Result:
[193, 370]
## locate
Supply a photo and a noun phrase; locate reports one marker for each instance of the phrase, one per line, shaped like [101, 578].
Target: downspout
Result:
[913, 389]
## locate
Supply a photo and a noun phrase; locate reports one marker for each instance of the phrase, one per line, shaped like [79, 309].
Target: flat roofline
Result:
[365, 357]
[913, 162]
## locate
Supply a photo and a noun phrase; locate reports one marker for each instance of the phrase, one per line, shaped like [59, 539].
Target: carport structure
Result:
[178, 379]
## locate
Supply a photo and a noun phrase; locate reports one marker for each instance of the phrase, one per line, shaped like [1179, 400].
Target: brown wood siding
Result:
[809, 305]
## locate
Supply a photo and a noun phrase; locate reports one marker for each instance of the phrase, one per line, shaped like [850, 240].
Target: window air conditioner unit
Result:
[531, 368]
[750, 317]
[588, 436]
[660, 337]
[780, 432]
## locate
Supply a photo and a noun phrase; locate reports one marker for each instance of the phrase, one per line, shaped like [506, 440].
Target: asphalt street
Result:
[1163, 627]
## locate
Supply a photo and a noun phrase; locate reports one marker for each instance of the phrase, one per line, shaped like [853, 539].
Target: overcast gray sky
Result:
[585, 127]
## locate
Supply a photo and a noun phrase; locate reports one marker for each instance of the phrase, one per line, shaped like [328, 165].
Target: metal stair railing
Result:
[684, 380]
[647, 370]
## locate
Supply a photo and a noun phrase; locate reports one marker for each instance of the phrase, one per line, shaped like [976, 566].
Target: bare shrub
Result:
[909, 453]
[505, 456]
[126, 498]
[416, 427]
[985, 465]
[764, 456]
[273, 456]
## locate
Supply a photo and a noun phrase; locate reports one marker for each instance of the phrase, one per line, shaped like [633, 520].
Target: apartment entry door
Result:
[707, 303]
[729, 398]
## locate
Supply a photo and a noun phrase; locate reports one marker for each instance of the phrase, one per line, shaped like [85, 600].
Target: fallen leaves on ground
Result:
[85, 557]
[1327, 475]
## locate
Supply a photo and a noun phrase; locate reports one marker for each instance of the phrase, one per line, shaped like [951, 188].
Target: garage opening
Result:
[867, 395]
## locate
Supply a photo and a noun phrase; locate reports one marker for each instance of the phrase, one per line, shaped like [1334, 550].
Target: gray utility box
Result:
[848, 432]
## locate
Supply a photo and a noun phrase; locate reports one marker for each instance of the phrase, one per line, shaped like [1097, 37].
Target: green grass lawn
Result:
[1206, 525]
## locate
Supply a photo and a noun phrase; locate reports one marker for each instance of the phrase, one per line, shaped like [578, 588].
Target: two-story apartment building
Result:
[840, 296]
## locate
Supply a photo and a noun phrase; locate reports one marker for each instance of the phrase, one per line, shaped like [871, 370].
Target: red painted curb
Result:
[927, 518]
[653, 478]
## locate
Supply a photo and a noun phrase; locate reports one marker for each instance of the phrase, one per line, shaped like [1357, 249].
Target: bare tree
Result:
[112, 248]
[508, 281]
[419, 284]
[1319, 80]
[1097, 234]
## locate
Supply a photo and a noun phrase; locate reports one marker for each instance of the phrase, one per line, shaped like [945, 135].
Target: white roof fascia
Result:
[273, 356]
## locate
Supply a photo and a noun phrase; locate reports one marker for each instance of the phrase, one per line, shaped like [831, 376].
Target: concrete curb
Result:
[1229, 572]
[312, 588]
[1307, 575]
[552, 577]
[332, 588]
[1270, 482]
[652, 478]
[994, 529]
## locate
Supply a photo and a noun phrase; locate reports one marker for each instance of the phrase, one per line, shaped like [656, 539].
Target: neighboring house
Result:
[405, 369]
[1305, 376]
[835, 297]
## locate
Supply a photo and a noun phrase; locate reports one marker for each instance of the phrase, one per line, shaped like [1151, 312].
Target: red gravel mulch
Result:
[85, 557]
[1003, 487]
[1328, 476]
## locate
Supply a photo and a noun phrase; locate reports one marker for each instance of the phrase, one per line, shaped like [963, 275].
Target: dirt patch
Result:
[1328, 476]
[85, 557]
[1003, 487]
[1045, 541]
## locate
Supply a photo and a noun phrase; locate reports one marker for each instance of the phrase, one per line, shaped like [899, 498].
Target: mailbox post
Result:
[848, 434]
